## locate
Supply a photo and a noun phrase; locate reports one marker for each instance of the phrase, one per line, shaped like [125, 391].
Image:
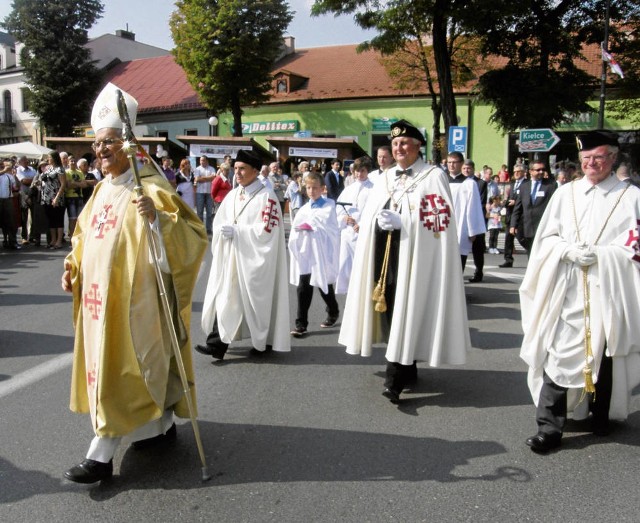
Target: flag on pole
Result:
[608, 57]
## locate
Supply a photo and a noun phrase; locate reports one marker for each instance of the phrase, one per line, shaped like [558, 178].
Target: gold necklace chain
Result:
[251, 197]
[391, 192]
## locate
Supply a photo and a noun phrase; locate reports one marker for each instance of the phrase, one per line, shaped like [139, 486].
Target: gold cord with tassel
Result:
[587, 370]
[380, 288]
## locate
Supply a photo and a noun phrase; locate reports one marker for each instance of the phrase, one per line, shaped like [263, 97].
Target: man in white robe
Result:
[247, 295]
[584, 267]
[467, 206]
[349, 208]
[314, 244]
[425, 317]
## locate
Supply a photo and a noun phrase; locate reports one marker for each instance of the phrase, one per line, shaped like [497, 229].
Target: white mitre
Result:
[105, 109]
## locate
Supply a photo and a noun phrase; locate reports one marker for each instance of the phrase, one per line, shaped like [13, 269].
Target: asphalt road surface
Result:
[305, 436]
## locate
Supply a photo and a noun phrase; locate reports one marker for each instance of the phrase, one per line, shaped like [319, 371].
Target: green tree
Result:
[420, 32]
[57, 66]
[625, 93]
[542, 83]
[227, 49]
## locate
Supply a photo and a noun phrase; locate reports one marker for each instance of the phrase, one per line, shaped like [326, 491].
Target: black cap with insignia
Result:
[592, 139]
[404, 128]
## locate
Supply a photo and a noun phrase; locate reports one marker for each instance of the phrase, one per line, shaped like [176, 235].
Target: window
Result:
[281, 86]
[6, 111]
[191, 132]
[26, 98]
[162, 134]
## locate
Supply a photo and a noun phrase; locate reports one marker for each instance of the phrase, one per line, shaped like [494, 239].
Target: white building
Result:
[17, 124]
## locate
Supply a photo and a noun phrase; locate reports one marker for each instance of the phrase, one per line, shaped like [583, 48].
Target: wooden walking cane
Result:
[130, 146]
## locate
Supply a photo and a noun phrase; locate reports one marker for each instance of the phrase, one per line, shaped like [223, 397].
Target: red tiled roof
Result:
[159, 84]
[333, 73]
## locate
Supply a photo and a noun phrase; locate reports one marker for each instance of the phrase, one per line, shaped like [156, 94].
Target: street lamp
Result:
[213, 122]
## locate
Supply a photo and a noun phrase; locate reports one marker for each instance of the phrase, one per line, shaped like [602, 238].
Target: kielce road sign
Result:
[537, 140]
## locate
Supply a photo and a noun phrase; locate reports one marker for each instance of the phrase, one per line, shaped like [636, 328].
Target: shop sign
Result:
[216, 151]
[313, 152]
[275, 126]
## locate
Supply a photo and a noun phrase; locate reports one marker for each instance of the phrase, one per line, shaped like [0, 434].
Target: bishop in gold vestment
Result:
[124, 371]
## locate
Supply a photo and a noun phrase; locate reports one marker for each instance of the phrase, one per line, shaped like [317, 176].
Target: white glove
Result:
[228, 231]
[580, 255]
[389, 220]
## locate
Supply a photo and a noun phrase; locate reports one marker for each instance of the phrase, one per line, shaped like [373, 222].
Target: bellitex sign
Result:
[276, 126]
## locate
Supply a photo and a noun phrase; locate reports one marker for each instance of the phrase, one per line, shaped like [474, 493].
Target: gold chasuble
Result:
[124, 372]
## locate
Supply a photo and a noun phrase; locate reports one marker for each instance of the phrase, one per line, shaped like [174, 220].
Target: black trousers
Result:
[477, 249]
[305, 295]
[551, 413]
[508, 245]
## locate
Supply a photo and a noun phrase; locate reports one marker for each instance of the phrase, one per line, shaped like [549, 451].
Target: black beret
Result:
[249, 157]
[592, 139]
[404, 128]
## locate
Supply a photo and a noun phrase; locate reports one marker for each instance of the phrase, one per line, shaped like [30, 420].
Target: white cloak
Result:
[315, 251]
[356, 196]
[469, 213]
[429, 320]
[552, 299]
[247, 288]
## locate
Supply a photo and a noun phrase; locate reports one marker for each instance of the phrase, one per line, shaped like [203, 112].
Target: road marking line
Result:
[37, 373]
[506, 275]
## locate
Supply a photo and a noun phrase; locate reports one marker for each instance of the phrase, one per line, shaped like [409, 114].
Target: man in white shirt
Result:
[204, 175]
[384, 159]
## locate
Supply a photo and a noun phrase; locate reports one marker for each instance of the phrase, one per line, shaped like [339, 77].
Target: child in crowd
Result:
[314, 245]
[495, 223]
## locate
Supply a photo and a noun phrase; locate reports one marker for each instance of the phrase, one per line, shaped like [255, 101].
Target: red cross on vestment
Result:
[435, 213]
[270, 215]
[102, 223]
[632, 241]
[93, 301]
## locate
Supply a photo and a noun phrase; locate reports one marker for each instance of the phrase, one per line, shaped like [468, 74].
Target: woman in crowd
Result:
[221, 186]
[53, 186]
[184, 183]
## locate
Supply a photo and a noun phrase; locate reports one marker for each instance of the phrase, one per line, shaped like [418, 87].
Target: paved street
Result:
[305, 436]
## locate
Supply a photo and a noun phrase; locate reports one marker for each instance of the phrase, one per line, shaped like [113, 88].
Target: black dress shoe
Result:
[299, 332]
[391, 395]
[161, 439]
[506, 265]
[543, 443]
[90, 471]
[217, 353]
[476, 278]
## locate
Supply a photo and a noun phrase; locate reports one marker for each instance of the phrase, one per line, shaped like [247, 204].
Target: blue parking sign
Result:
[457, 139]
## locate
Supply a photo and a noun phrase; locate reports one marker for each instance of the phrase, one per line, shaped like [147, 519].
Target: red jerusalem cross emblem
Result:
[93, 301]
[632, 241]
[435, 213]
[102, 223]
[91, 377]
[270, 215]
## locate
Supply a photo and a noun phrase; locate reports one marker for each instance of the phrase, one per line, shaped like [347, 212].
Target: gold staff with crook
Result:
[129, 146]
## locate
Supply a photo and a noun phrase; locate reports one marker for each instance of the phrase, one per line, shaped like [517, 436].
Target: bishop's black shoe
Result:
[506, 265]
[256, 352]
[543, 443]
[90, 471]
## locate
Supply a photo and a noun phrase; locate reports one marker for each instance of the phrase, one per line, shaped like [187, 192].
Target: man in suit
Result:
[509, 204]
[333, 180]
[479, 243]
[531, 202]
